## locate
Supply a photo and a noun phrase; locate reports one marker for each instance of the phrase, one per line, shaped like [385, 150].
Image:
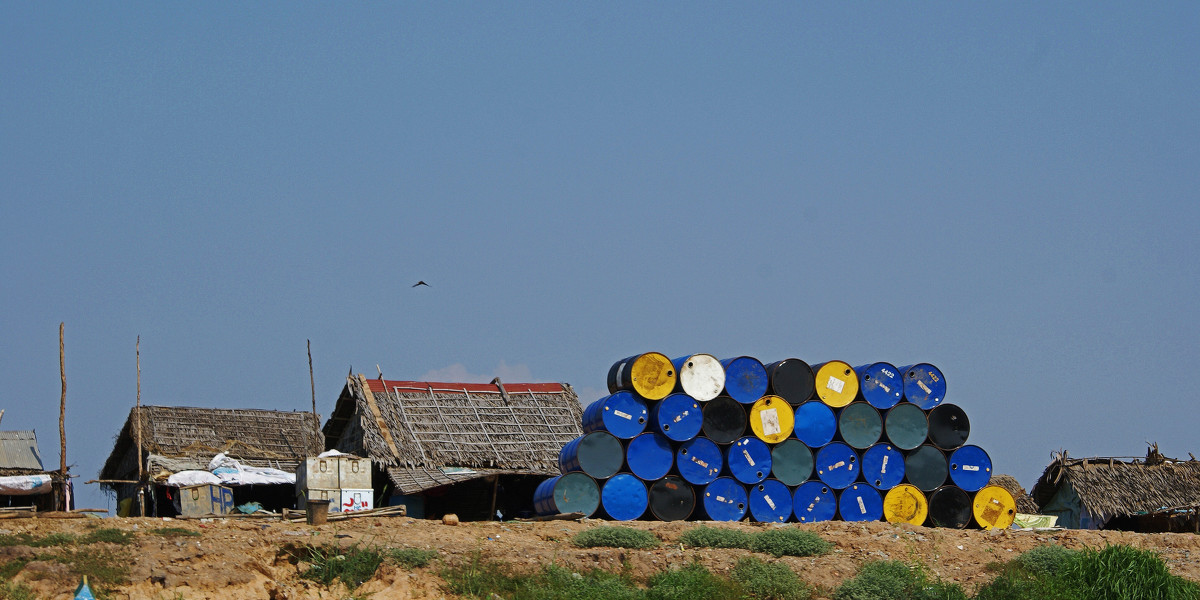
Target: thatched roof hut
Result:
[424, 435]
[1151, 494]
[177, 439]
[1025, 503]
[24, 481]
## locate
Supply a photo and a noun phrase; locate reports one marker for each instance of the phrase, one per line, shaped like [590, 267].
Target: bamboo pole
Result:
[140, 494]
[312, 384]
[62, 416]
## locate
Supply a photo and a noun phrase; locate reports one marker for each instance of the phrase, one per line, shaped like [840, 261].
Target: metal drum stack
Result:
[702, 438]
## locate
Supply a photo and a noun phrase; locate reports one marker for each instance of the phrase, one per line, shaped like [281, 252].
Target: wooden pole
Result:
[62, 416]
[140, 495]
[312, 384]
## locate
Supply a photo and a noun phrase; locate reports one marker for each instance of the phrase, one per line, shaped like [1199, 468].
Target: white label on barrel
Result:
[970, 468]
[747, 455]
[921, 384]
[836, 465]
[885, 387]
[770, 502]
[681, 416]
[700, 462]
[835, 384]
[995, 501]
[721, 499]
[623, 415]
[770, 422]
[883, 469]
[810, 506]
[862, 507]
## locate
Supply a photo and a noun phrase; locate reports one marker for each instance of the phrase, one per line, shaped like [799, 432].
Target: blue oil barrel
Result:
[814, 501]
[949, 426]
[906, 426]
[573, 492]
[970, 468]
[745, 379]
[724, 420]
[926, 468]
[924, 385]
[748, 460]
[791, 462]
[880, 384]
[724, 500]
[623, 497]
[700, 376]
[649, 456]
[677, 416]
[792, 380]
[815, 424]
[859, 425]
[622, 414]
[770, 502]
[672, 499]
[699, 461]
[837, 465]
[860, 502]
[599, 454]
[949, 506]
[883, 466]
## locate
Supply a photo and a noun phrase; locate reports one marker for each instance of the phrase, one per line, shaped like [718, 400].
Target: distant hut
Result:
[1147, 495]
[24, 481]
[176, 439]
[473, 449]
[1025, 503]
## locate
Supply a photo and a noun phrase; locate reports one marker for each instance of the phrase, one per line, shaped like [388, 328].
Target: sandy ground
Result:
[246, 558]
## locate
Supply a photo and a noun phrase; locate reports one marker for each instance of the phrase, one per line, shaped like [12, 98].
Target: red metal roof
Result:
[378, 386]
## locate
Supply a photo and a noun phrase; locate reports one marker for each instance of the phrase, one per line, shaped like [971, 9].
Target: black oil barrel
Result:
[791, 379]
[926, 468]
[672, 499]
[950, 506]
[724, 420]
[948, 426]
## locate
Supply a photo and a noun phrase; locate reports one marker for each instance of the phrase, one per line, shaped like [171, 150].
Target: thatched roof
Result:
[180, 438]
[1113, 487]
[1025, 503]
[424, 433]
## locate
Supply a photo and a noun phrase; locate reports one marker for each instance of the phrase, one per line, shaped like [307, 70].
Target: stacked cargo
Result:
[342, 479]
[722, 440]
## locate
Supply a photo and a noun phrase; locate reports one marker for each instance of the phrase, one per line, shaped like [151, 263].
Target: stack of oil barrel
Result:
[723, 440]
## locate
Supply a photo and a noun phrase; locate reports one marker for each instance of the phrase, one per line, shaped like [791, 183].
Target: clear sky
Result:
[1008, 191]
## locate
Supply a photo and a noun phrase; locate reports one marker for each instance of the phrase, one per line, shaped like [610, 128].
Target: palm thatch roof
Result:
[1115, 487]
[182, 438]
[1025, 503]
[426, 434]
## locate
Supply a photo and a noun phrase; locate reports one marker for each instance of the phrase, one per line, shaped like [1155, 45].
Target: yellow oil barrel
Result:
[905, 504]
[994, 508]
[772, 419]
[836, 383]
[650, 375]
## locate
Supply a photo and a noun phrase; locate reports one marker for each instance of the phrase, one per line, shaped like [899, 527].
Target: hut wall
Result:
[351, 439]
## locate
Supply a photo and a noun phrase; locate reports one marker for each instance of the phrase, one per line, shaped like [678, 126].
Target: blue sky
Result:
[1006, 191]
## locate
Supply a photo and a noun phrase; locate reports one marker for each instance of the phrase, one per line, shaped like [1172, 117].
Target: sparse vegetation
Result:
[894, 580]
[351, 565]
[109, 536]
[411, 558]
[789, 541]
[692, 582]
[175, 532]
[615, 537]
[769, 581]
[103, 568]
[16, 591]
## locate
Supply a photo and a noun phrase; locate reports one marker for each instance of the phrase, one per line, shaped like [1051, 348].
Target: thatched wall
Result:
[423, 425]
[179, 438]
[1025, 503]
[1109, 487]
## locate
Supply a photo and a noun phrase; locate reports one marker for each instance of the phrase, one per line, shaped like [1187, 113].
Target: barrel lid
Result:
[749, 460]
[724, 420]
[924, 385]
[671, 499]
[699, 460]
[906, 426]
[649, 456]
[994, 508]
[725, 499]
[653, 375]
[678, 416]
[926, 468]
[814, 501]
[577, 492]
[815, 423]
[700, 376]
[770, 502]
[880, 384]
[771, 419]
[883, 466]
[836, 383]
[950, 506]
[860, 425]
[860, 502]
[837, 465]
[624, 497]
[970, 468]
[792, 379]
[905, 504]
[791, 462]
[745, 378]
[949, 426]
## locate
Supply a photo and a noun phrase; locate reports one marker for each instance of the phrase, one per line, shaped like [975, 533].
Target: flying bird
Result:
[421, 283]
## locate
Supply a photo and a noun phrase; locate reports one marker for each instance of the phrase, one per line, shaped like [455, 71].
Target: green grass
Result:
[103, 568]
[692, 582]
[789, 541]
[609, 536]
[1050, 559]
[894, 580]
[703, 536]
[351, 565]
[411, 558]
[175, 532]
[16, 591]
[770, 581]
[1055, 573]
[109, 536]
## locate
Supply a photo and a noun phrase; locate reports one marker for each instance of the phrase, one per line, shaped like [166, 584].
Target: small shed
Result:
[24, 481]
[1151, 494]
[472, 449]
[176, 439]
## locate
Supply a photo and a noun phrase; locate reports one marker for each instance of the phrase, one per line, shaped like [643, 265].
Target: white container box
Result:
[319, 473]
[354, 473]
[353, 500]
[333, 496]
